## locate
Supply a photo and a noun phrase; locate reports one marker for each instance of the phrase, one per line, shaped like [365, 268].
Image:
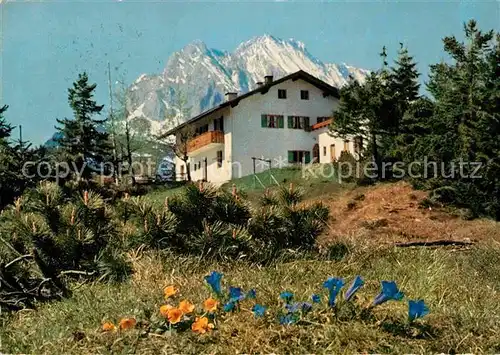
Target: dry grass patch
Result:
[389, 213]
[462, 290]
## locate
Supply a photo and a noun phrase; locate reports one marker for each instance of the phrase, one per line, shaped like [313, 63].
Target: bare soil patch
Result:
[392, 213]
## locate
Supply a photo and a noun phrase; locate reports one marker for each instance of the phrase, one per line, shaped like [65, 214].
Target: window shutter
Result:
[281, 121]
[307, 157]
[290, 121]
[263, 120]
[290, 156]
[306, 123]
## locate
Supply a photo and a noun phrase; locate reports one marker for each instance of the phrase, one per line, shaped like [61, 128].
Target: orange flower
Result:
[210, 305]
[127, 323]
[174, 315]
[169, 291]
[201, 325]
[186, 307]
[164, 310]
[108, 327]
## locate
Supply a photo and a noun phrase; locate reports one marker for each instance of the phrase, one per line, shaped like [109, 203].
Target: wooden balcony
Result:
[205, 141]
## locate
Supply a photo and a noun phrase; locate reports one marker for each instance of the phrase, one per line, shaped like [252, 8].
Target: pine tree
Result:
[465, 124]
[8, 186]
[404, 79]
[84, 142]
[367, 110]
[5, 128]
[405, 87]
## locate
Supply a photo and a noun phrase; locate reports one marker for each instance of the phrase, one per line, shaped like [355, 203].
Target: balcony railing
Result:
[205, 139]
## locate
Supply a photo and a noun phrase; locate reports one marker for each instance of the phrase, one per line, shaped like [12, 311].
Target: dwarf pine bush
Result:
[46, 240]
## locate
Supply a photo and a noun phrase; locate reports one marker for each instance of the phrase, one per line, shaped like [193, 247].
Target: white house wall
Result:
[252, 140]
[325, 140]
[215, 174]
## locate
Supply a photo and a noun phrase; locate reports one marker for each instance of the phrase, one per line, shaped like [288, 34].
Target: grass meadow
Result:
[460, 285]
[461, 288]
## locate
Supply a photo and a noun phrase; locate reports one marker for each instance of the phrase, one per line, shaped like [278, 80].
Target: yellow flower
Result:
[127, 323]
[174, 315]
[164, 310]
[186, 307]
[108, 327]
[169, 291]
[201, 325]
[210, 305]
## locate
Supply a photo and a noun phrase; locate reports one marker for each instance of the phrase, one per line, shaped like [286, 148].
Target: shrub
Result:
[281, 222]
[45, 235]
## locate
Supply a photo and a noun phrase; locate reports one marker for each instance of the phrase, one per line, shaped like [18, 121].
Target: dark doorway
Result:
[316, 153]
[205, 170]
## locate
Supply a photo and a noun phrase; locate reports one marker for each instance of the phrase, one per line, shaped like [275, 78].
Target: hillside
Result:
[460, 286]
[395, 213]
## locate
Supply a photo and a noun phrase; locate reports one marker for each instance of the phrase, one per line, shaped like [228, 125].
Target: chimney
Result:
[268, 79]
[231, 96]
[259, 84]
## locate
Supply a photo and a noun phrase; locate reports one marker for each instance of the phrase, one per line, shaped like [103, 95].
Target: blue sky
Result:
[46, 44]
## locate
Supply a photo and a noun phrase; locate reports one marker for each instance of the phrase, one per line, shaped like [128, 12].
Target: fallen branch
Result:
[77, 272]
[22, 257]
[443, 242]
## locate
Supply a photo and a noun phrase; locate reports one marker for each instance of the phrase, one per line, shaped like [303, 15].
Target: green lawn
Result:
[462, 289]
[315, 183]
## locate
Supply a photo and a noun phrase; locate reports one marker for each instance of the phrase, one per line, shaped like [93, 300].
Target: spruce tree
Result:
[404, 87]
[10, 185]
[5, 128]
[465, 124]
[84, 142]
[367, 110]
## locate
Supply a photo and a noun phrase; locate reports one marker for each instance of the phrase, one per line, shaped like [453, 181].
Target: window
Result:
[219, 158]
[298, 122]
[358, 144]
[219, 124]
[346, 146]
[281, 94]
[299, 156]
[324, 151]
[304, 94]
[272, 121]
[201, 130]
[321, 119]
[195, 166]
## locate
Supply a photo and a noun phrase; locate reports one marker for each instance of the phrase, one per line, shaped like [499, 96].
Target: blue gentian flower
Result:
[236, 294]
[293, 307]
[417, 309]
[287, 319]
[389, 292]
[251, 294]
[306, 307]
[214, 281]
[333, 284]
[228, 307]
[316, 298]
[287, 296]
[259, 310]
[355, 286]
[299, 306]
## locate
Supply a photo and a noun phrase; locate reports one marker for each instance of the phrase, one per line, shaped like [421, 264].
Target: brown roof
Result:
[320, 84]
[321, 124]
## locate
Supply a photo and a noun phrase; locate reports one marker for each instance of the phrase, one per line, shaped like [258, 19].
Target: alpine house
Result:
[278, 123]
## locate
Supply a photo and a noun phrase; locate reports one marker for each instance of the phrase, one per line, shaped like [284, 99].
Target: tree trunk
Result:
[376, 156]
[188, 170]
[129, 155]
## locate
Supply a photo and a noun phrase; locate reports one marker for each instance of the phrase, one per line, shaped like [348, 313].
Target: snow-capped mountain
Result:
[201, 76]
